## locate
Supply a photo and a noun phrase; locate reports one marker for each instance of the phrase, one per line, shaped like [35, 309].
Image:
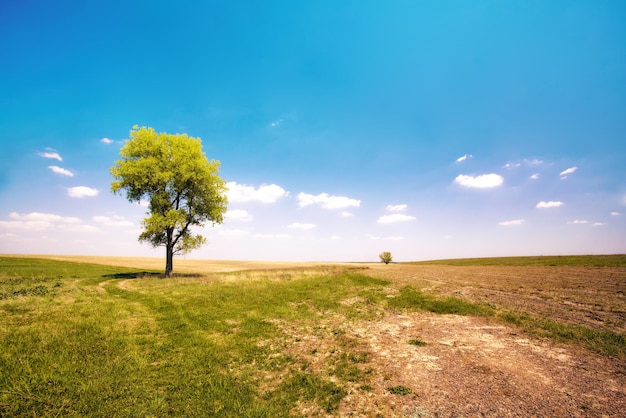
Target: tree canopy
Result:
[181, 184]
[385, 257]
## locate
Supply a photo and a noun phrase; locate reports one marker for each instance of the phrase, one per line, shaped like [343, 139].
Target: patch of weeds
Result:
[418, 342]
[604, 342]
[399, 390]
[411, 298]
[311, 387]
[38, 290]
[366, 388]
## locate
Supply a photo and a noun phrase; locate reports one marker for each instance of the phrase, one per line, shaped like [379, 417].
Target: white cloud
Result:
[266, 193]
[79, 228]
[568, 171]
[238, 215]
[484, 181]
[396, 217]
[106, 141]
[463, 158]
[326, 201]
[304, 227]
[615, 214]
[534, 176]
[513, 222]
[44, 217]
[346, 214]
[112, 220]
[36, 221]
[396, 208]
[60, 170]
[578, 222]
[598, 224]
[550, 204]
[51, 154]
[82, 191]
[335, 238]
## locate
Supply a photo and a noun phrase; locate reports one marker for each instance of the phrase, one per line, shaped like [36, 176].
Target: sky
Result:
[430, 129]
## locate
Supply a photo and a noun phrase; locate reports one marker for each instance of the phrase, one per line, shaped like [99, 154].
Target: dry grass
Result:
[181, 265]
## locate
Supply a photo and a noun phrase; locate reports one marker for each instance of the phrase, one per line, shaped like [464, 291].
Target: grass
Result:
[113, 342]
[415, 299]
[82, 339]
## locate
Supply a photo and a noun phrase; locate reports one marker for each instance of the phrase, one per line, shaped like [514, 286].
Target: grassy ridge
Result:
[613, 260]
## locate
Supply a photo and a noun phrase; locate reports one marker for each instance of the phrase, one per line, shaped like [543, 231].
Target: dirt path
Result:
[470, 367]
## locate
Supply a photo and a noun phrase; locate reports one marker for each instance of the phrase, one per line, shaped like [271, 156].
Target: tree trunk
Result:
[169, 255]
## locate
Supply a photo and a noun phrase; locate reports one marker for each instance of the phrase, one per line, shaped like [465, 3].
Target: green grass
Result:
[614, 260]
[415, 299]
[604, 342]
[160, 347]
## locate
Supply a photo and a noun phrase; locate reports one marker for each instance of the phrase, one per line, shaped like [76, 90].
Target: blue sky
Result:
[431, 129]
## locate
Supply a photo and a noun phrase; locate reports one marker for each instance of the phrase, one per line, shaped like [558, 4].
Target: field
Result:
[101, 336]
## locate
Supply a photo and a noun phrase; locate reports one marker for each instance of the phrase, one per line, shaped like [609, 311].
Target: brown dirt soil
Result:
[471, 366]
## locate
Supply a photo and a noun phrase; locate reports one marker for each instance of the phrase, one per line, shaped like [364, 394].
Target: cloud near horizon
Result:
[266, 193]
[301, 226]
[393, 218]
[37, 221]
[112, 220]
[327, 201]
[82, 191]
[484, 181]
[396, 208]
[512, 222]
[238, 215]
[550, 204]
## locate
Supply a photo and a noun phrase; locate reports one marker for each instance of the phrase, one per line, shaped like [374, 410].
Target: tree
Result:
[385, 257]
[181, 184]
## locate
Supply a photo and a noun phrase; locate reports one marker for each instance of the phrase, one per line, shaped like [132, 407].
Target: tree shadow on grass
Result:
[148, 275]
[133, 275]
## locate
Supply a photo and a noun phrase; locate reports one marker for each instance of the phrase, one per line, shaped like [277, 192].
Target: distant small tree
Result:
[385, 257]
[181, 184]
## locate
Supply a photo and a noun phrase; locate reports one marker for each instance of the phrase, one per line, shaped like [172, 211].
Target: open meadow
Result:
[507, 337]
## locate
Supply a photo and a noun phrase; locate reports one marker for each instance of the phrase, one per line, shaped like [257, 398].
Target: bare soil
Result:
[471, 366]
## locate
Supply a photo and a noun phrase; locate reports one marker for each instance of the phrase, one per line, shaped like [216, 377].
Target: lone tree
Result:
[385, 257]
[181, 184]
